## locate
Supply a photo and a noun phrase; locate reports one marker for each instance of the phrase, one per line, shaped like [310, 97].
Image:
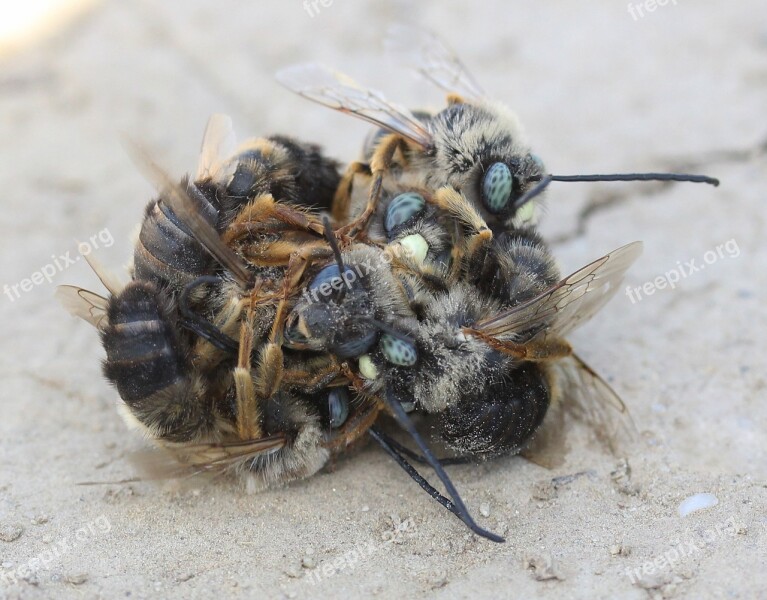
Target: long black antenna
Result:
[545, 180]
[639, 177]
[331, 238]
[460, 509]
[415, 457]
[386, 443]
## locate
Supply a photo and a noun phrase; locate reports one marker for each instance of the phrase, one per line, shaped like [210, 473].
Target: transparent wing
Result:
[184, 461]
[586, 398]
[187, 461]
[565, 306]
[185, 208]
[82, 303]
[427, 53]
[339, 92]
[218, 144]
[110, 281]
[589, 399]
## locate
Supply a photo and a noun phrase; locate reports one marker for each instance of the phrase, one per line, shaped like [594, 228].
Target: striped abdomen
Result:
[148, 363]
[166, 253]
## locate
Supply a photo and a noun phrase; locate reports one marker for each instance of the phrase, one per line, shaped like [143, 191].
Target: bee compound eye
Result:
[338, 407]
[403, 208]
[356, 345]
[397, 351]
[326, 275]
[496, 187]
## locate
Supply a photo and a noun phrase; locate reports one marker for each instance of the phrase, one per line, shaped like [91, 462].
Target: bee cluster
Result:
[278, 308]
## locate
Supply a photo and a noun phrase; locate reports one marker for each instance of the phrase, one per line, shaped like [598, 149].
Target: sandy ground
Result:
[682, 86]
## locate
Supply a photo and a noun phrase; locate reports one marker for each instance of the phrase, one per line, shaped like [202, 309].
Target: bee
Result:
[483, 372]
[474, 145]
[214, 271]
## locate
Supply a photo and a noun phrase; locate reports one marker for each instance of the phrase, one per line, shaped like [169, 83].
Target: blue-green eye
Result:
[402, 208]
[496, 187]
[338, 407]
[397, 351]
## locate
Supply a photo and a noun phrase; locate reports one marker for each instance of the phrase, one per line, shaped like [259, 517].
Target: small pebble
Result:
[294, 572]
[484, 509]
[542, 567]
[10, 532]
[76, 578]
[308, 562]
[697, 502]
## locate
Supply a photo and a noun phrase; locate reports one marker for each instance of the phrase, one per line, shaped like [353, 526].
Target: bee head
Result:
[504, 182]
[329, 317]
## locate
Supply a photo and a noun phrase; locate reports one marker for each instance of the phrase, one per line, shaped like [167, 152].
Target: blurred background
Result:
[600, 87]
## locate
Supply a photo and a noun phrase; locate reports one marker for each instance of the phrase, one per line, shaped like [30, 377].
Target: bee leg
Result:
[263, 208]
[271, 364]
[248, 411]
[313, 378]
[353, 429]
[380, 162]
[547, 349]
[147, 361]
[227, 321]
[343, 197]
[479, 237]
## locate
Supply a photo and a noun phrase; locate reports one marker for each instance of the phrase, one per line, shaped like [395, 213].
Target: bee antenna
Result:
[388, 329]
[415, 457]
[456, 506]
[196, 324]
[532, 193]
[545, 180]
[331, 238]
[639, 177]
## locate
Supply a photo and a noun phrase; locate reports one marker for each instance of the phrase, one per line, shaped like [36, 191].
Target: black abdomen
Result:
[502, 418]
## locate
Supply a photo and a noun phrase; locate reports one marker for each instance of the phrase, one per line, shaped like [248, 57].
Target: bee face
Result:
[479, 150]
[330, 316]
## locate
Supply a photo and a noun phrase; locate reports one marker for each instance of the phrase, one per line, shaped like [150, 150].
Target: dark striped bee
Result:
[474, 145]
[193, 342]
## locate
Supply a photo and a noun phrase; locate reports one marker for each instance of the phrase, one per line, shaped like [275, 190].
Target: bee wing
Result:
[572, 301]
[428, 54]
[87, 305]
[339, 92]
[587, 398]
[218, 144]
[178, 198]
[181, 461]
[110, 281]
